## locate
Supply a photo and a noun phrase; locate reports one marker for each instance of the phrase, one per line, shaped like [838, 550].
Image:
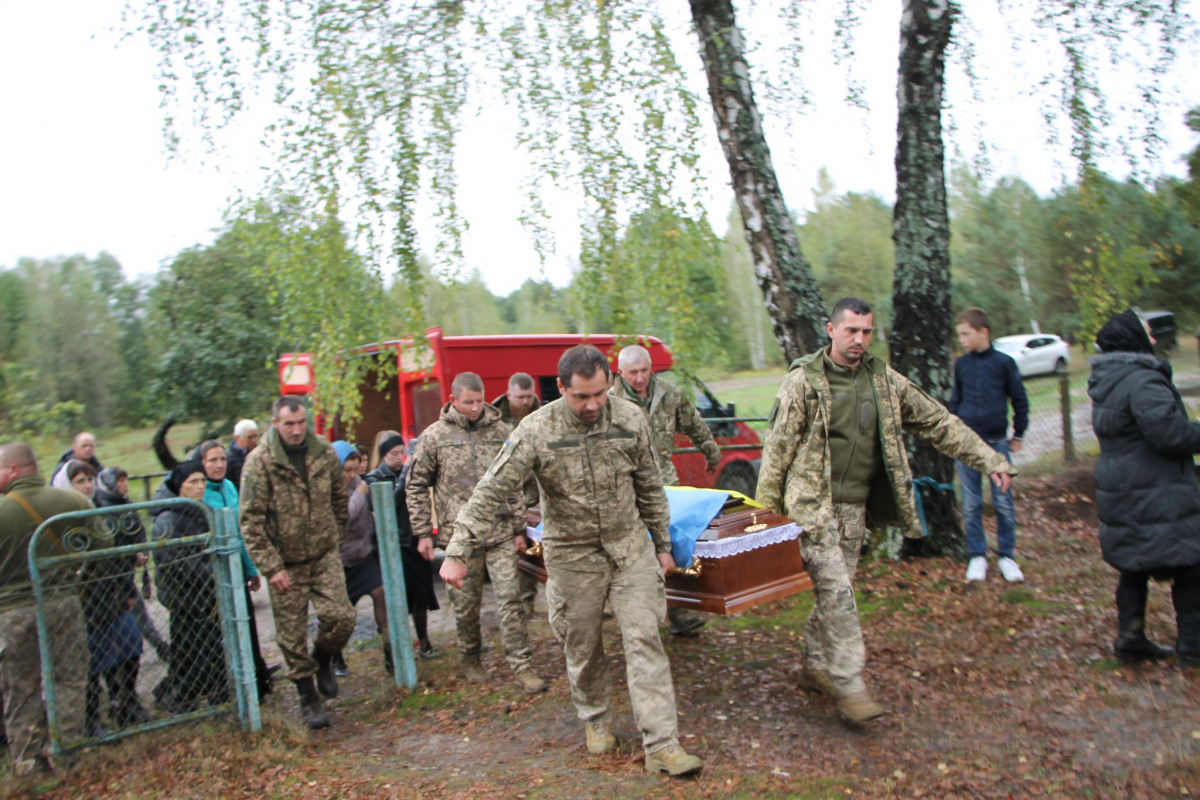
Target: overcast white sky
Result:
[83, 169]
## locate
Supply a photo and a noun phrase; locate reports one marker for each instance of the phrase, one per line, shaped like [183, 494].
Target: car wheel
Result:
[1060, 366]
[740, 477]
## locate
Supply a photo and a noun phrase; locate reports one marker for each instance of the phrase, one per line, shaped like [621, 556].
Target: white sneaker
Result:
[1009, 569]
[977, 568]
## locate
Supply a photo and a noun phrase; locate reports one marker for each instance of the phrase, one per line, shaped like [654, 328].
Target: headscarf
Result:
[181, 472]
[62, 478]
[1124, 333]
[106, 481]
[344, 450]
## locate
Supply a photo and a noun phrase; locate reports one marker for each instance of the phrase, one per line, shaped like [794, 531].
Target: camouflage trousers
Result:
[528, 589]
[323, 582]
[500, 561]
[637, 595]
[21, 677]
[833, 638]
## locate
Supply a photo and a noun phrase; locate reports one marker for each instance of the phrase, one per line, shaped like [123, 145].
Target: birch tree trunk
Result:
[793, 298]
[919, 343]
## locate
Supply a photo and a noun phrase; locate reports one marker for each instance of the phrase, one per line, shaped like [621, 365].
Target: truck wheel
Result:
[740, 477]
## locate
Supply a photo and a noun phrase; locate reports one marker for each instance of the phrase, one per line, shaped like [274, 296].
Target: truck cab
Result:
[412, 399]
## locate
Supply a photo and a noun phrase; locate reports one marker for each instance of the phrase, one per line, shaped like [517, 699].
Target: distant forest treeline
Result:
[83, 344]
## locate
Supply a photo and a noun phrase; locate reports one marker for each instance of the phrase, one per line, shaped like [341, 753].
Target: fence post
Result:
[1064, 393]
[239, 654]
[387, 535]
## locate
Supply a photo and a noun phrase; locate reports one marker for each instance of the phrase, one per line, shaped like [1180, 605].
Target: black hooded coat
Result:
[1147, 496]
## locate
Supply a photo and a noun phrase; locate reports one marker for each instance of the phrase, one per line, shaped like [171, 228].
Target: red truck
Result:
[413, 398]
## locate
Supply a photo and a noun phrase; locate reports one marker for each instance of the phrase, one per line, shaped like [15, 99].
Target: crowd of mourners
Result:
[307, 528]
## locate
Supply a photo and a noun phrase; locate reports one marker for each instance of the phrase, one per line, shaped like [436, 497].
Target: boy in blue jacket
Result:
[985, 380]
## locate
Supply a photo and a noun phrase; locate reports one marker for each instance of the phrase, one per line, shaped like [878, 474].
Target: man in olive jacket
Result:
[294, 512]
[834, 460]
[25, 503]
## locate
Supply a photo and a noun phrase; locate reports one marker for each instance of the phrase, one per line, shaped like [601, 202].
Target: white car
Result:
[1036, 353]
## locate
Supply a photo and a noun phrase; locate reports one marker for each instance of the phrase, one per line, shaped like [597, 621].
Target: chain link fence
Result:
[142, 620]
[1060, 419]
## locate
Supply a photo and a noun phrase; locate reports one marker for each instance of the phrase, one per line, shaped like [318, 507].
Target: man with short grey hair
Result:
[245, 439]
[669, 412]
[83, 448]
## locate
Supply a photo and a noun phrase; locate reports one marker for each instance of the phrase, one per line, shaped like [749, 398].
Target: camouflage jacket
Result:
[501, 404]
[529, 489]
[284, 518]
[452, 455]
[669, 412]
[795, 475]
[599, 485]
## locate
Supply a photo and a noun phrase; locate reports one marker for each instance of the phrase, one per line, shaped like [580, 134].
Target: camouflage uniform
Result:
[670, 412]
[452, 454]
[297, 523]
[20, 658]
[600, 491]
[795, 479]
[528, 583]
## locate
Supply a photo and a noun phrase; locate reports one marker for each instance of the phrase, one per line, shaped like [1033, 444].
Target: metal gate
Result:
[165, 616]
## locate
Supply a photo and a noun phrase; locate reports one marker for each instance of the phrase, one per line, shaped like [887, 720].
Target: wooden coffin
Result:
[734, 569]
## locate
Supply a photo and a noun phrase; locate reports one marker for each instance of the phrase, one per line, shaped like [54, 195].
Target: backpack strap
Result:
[37, 518]
[28, 506]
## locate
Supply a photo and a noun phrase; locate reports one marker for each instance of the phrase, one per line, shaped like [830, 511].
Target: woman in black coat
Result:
[1147, 496]
[187, 588]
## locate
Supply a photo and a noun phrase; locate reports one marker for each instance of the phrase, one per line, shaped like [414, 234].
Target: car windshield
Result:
[1010, 346]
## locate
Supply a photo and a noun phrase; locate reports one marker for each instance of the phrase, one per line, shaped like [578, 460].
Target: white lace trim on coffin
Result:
[734, 545]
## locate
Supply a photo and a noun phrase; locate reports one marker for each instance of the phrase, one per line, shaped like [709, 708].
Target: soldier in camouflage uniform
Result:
[517, 403]
[294, 511]
[669, 411]
[593, 459]
[452, 454]
[24, 503]
[835, 461]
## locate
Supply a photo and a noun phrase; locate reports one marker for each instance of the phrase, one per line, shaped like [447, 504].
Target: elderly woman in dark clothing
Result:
[360, 556]
[1147, 495]
[187, 588]
[418, 572]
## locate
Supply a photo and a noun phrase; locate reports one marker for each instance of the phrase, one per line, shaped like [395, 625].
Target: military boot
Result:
[528, 680]
[474, 671]
[673, 760]
[600, 739]
[858, 707]
[326, 679]
[816, 680]
[684, 622]
[312, 708]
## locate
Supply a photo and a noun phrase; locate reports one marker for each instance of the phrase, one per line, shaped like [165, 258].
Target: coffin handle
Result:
[692, 570]
[534, 549]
